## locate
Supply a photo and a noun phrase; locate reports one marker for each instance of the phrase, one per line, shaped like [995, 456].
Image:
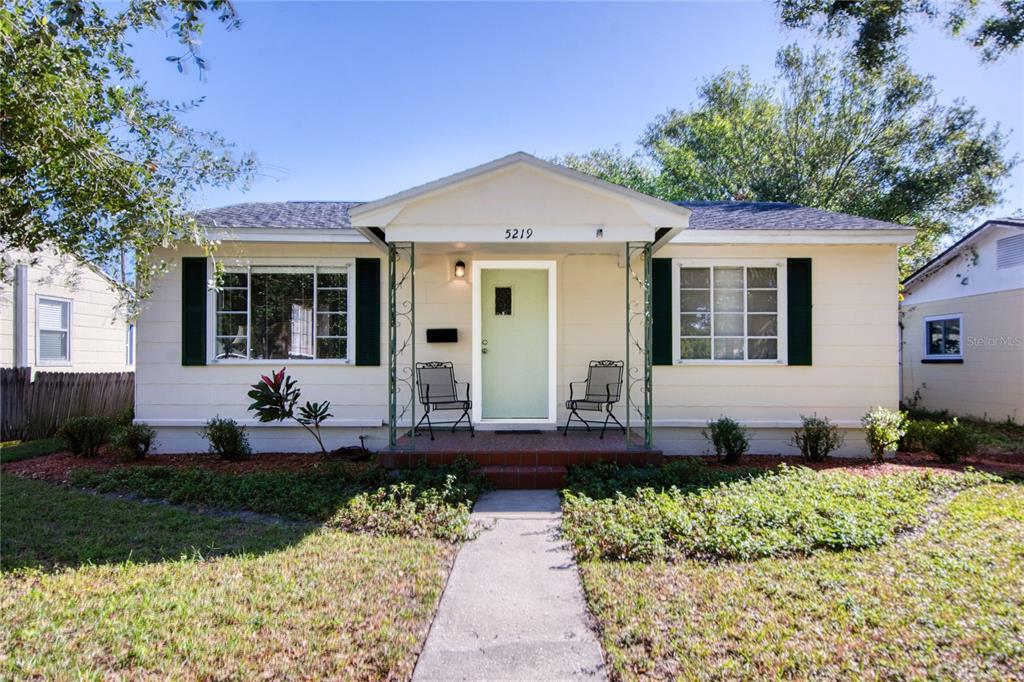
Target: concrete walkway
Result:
[513, 608]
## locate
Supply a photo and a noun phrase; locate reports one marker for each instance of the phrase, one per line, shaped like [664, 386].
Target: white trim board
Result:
[477, 367]
[731, 237]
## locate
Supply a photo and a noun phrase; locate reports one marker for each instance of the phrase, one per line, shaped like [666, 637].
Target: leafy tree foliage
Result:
[881, 26]
[828, 135]
[90, 163]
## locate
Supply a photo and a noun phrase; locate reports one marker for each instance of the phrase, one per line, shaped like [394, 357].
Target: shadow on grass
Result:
[47, 526]
[604, 480]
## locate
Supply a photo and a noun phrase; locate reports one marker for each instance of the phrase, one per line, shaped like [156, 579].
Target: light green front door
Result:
[514, 343]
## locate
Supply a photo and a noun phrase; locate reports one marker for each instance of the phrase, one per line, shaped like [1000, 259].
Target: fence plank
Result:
[36, 409]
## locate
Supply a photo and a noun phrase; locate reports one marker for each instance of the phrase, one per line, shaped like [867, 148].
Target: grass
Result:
[110, 589]
[945, 603]
[14, 451]
[1004, 434]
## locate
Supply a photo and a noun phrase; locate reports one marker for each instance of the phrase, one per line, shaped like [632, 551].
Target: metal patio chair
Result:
[603, 390]
[438, 391]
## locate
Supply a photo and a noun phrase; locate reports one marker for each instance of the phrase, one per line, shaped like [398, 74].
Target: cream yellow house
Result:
[963, 326]
[521, 273]
[60, 315]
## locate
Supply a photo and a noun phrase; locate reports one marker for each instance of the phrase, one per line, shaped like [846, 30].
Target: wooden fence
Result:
[36, 409]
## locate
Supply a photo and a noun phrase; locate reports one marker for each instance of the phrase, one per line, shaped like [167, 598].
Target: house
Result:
[520, 272]
[962, 319]
[58, 314]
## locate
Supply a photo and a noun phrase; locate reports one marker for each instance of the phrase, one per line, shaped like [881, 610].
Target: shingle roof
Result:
[770, 215]
[294, 215]
[707, 215]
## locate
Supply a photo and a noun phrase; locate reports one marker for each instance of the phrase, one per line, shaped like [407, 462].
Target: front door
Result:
[514, 343]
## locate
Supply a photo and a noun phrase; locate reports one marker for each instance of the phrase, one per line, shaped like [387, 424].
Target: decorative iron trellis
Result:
[401, 340]
[638, 340]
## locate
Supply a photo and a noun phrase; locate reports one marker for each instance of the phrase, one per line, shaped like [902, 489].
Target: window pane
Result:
[728, 324]
[762, 278]
[234, 279]
[231, 324]
[762, 325]
[331, 300]
[729, 300]
[53, 314]
[332, 277]
[695, 325]
[53, 346]
[728, 349]
[332, 349]
[232, 299]
[282, 313]
[229, 347]
[695, 349]
[502, 300]
[331, 324]
[694, 278]
[731, 278]
[952, 341]
[762, 349]
[762, 301]
[695, 300]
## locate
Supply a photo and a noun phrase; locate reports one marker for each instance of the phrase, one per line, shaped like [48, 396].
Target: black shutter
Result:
[367, 311]
[193, 311]
[661, 311]
[798, 295]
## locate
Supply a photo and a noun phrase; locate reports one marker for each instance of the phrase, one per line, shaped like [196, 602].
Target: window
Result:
[129, 345]
[502, 301]
[283, 312]
[942, 337]
[53, 324]
[729, 312]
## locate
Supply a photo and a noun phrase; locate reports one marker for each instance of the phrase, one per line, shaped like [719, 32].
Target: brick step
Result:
[525, 477]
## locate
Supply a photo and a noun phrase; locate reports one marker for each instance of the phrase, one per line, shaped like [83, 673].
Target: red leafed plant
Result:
[275, 398]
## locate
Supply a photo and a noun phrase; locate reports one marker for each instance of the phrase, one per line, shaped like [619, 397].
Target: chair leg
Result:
[469, 420]
[612, 415]
[565, 431]
[605, 425]
[420, 422]
[430, 425]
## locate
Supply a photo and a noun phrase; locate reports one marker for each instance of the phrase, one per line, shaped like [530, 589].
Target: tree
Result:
[881, 26]
[827, 135]
[90, 163]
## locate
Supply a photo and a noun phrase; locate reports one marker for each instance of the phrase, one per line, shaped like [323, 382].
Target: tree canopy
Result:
[91, 164]
[828, 135]
[880, 27]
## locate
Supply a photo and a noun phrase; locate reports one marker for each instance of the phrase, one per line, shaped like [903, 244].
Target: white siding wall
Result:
[855, 351]
[98, 331]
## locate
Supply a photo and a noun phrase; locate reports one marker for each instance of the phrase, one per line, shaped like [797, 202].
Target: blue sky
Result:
[358, 100]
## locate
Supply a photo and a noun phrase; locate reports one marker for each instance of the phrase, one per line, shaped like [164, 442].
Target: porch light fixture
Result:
[460, 270]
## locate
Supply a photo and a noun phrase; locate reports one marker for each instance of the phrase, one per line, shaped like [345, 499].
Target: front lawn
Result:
[937, 594]
[15, 451]
[105, 588]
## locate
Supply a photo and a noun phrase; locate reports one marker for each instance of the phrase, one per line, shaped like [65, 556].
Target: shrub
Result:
[604, 479]
[85, 435]
[817, 438]
[883, 430]
[952, 440]
[275, 398]
[405, 510]
[227, 439]
[728, 438]
[135, 440]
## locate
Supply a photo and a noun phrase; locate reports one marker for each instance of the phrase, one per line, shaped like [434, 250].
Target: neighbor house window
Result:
[284, 312]
[942, 337]
[129, 345]
[729, 312]
[53, 324]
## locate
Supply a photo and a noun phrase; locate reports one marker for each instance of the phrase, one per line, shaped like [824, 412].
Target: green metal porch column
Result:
[638, 379]
[401, 339]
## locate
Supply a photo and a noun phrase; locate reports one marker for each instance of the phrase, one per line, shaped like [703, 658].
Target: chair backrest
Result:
[435, 381]
[604, 380]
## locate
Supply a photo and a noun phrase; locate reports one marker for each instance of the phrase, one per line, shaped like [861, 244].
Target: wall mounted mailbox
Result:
[443, 335]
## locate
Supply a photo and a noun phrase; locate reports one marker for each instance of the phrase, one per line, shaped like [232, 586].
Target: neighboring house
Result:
[60, 315]
[520, 268]
[963, 326]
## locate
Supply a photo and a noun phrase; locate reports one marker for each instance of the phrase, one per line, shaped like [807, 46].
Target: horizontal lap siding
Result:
[990, 382]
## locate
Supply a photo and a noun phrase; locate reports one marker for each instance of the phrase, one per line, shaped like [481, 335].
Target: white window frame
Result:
[959, 317]
[66, 362]
[247, 264]
[129, 344]
[783, 332]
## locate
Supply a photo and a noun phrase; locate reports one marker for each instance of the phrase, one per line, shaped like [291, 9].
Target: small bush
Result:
[917, 435]
[135, 440]
[817, 438]
[227, 439]
[951, 441]
[728, 438]
[883, 430]
[604, 480]
[85, 435]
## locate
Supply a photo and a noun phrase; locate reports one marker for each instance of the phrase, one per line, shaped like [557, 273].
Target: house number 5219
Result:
[519, 233]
